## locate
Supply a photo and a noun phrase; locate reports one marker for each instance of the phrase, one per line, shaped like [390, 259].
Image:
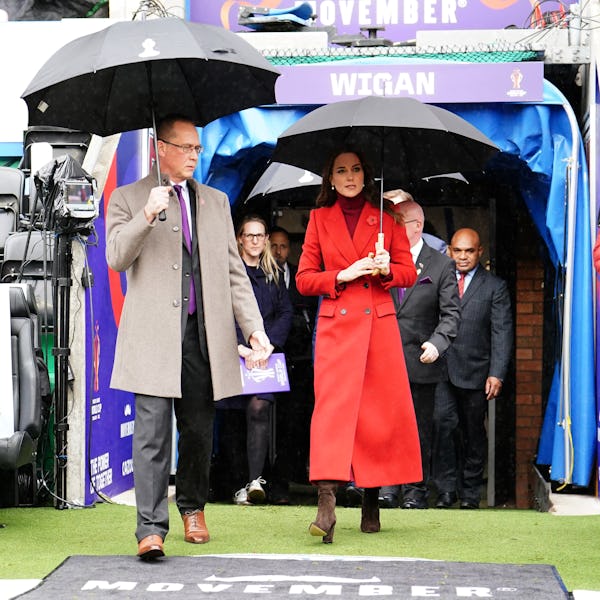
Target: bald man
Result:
[477, 364]
[399, 195]
[428, 315]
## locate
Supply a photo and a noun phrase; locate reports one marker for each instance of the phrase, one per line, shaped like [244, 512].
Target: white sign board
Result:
[25, 46]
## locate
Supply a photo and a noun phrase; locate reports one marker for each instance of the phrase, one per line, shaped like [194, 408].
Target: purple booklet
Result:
[273, 378]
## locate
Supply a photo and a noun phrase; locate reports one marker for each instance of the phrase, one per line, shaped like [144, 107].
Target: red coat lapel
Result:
[335, 225]
[367, 229]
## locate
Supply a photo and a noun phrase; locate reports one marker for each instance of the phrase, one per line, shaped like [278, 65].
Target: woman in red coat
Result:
[363, 426]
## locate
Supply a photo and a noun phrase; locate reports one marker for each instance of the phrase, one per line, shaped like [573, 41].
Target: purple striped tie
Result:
[185, 228]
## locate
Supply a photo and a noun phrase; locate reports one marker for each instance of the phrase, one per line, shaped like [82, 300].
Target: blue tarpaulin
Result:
[538, 136]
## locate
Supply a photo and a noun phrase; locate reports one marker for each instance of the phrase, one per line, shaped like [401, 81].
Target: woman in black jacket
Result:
[277, 311]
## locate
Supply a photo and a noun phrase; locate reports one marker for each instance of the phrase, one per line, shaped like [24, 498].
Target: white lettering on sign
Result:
[375, 590]
[100, 481]
[127, 467]
[93, 584]
[254, 585]
[473, 592]
[99, 463]
[387, 12]
[364, 12]
[256, 588]
[345, 11]
[383, 84]
[424, 591]
[127, 428]
[100, 472]
[213, 587]
[383, 12]
[96, 409]
[327, 590]
[164, 587]
[327, 13]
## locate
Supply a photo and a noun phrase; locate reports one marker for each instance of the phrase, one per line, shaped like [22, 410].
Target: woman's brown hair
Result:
[371, 192]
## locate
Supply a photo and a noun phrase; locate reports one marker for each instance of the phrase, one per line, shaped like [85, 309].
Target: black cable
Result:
[151, 7]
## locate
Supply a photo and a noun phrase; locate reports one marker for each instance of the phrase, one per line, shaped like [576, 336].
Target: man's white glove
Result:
[430, 353]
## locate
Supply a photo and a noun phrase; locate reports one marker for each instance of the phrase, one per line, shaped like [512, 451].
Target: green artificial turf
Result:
[35, 540]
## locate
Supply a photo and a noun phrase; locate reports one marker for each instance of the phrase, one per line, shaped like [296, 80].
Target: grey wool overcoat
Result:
[148, 349]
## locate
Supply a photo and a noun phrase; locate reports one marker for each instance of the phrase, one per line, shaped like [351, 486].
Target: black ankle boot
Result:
[369, 522]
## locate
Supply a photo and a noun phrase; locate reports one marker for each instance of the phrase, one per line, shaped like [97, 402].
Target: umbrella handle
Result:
[378, 247]
[164, 180]
[162, 215]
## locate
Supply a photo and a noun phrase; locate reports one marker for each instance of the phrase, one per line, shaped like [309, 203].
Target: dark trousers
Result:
[461, 441]
[293, 412]
[152, 442]
[423, 395]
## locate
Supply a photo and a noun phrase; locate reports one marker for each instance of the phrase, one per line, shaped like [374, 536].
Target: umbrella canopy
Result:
[286, 184]
[453, 176]
[403, 139]
[123, 77]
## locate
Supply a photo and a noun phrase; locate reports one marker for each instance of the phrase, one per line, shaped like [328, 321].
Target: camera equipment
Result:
[66, 192]
[68, 207]
[78, 201]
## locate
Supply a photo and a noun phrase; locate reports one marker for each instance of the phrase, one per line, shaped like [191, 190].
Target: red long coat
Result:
[363, 425]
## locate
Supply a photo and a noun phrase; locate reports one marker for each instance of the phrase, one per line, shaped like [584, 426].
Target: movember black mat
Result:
[230, 576]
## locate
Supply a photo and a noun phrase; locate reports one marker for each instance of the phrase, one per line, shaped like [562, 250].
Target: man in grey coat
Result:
[176, 345]
[428, 316]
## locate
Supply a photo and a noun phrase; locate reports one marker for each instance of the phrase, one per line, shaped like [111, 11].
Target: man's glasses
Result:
[257, 236]
[185, 148]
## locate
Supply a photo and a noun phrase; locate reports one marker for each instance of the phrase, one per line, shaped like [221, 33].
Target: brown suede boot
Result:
[369, 522]
[324, 524]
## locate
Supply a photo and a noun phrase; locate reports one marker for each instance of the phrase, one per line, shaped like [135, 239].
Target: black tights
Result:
[257, 435]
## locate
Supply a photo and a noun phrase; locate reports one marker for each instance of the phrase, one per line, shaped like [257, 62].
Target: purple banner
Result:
[597, 473]
[442, 83]
[272, 379]
[401, 19]
[110, 412]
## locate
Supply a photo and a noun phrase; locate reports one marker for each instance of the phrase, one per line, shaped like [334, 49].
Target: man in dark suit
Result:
[428, 316]
[477, 364]
[304, 306]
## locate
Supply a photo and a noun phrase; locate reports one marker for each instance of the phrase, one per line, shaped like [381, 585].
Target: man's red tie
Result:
[461, 284]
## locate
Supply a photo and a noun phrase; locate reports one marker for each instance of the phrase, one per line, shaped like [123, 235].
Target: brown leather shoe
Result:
[150, 547]
[195, 528]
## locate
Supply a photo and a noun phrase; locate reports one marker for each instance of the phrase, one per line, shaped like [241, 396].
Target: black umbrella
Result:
[402, 138]
[133, 72]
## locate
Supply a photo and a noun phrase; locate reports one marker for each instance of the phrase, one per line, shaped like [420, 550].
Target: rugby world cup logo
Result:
[516, 78]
